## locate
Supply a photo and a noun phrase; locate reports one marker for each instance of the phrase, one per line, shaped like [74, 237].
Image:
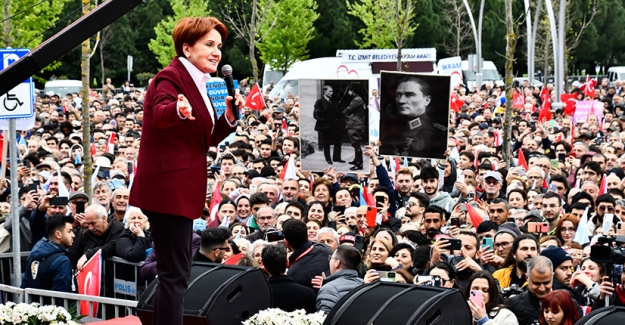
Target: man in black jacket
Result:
[214, 245]
[308, 259]
[526, 306]
[287, 294]
[329, 124]
[562, 264]
[101, 234]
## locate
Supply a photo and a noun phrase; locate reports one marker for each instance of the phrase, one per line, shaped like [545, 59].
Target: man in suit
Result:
[180, 124]
[329, 123]
[287, 294]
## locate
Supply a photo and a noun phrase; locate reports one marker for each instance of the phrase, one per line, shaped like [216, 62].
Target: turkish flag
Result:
[588, 87]
[473, 215]
[214, 206]
[570, 103]
[288, 171]
[89, 279]
[456, 103]
[522, 161]
[518, 101]
[545, 112]
[255, 99]
[110, 146]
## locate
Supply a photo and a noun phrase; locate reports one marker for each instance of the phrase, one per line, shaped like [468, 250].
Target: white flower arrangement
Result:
[275, 316]
[34, 314]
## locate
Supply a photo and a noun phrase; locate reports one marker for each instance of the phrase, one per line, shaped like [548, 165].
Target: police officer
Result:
[410, 131]
[48, 266]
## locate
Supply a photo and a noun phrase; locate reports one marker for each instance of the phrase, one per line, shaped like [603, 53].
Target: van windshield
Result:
[283, 88]
[487, 75]
[63, 90]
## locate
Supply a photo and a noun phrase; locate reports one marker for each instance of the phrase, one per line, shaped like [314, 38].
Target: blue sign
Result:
[217, 91]
[19, 101]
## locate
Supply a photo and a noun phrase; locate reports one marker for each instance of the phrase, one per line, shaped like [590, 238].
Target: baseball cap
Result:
[494, 175]
[348, 237]
[78, 195]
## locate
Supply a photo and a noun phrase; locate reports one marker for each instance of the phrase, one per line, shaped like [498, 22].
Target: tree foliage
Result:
[376, 31]
[163, 45]
[287, 41]
[26, 29]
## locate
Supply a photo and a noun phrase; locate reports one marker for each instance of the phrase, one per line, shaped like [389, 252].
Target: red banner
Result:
[89, 279]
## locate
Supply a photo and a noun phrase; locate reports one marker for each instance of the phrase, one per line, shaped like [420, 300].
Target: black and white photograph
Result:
[334, 124]
[414, 114]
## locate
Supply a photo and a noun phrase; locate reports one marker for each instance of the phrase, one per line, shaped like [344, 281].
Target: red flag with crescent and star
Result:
[255, 99]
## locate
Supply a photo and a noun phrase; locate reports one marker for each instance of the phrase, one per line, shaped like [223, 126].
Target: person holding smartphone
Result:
[482, 293]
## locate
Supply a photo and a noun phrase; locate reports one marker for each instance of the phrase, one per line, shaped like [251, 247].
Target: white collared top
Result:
[200, 80]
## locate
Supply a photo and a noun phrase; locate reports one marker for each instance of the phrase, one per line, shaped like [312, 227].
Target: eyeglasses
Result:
[330, 258]
[411, 203]
[503, 244]
[227, 249]
[605, 207]
[569, 230]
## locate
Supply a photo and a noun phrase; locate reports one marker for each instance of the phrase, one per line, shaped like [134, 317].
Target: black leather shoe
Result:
[357, 167]
[329, 162]
[339, 160]
[352, 163]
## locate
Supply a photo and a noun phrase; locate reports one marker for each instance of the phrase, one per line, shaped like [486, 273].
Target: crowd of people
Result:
[515, 239]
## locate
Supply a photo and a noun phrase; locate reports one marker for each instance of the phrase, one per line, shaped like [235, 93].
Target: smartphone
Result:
[538, 227]
[274, 235]
[359, 243]
[31, 187]
[607, 222]
[553, 188]
[332, 224]
[372, 214]
[424, 278]
[620, 229]
[222, 148]
[476, 296]
[454, 244]
[471, 196]
[130, 167]
[253, 188]
[379, 201]
[554, 163]
[387, 276]
[456, 221]
[80, 207]
[340, 209]
[487, 242]
[562, 157]
[37, 182]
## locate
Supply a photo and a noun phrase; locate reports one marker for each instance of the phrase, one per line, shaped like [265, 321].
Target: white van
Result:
[616, 73]
[489, 74]
[63, 87]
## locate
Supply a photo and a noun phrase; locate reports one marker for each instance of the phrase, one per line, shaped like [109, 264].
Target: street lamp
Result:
[477, 35]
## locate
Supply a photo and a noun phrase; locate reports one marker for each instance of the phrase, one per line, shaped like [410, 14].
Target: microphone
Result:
[226, 70]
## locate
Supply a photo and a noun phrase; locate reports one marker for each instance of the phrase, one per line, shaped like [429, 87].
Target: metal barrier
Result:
[126, 283]
[6, 267]
[120, 306]
[10, 293]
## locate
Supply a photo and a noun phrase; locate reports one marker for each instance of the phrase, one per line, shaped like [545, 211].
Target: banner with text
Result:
[586, 108]
[217, 91]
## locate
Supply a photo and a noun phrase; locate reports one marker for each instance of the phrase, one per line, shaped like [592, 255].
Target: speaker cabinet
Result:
[604, 316]
[217, 294]
[400, 304]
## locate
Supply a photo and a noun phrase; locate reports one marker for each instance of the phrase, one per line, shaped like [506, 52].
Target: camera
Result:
[512, 290]
[613, 253]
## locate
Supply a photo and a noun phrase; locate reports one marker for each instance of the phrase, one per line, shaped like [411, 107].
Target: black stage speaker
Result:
[217, 294]
[604, 316]
[400, 304]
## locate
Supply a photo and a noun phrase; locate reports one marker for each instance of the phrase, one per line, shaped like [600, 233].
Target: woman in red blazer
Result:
[179, 125]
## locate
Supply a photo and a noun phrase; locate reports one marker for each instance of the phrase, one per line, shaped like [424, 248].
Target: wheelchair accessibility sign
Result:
[19, 101]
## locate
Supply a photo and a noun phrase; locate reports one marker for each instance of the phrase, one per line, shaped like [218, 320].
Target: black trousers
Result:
[331, 137]
[172, 236]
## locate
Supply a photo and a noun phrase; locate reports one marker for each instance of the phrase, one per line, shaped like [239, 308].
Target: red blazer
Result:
[171, 170]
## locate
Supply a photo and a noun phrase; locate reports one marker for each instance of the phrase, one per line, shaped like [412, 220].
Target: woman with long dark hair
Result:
[489, 312]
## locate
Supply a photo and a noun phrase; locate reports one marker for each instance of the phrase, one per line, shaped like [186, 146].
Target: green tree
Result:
[333, 31]
[376, 31]
[26, 28]
[163, 45]
[287, 41]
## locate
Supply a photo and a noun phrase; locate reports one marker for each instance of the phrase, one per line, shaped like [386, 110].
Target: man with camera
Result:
[526, 305]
